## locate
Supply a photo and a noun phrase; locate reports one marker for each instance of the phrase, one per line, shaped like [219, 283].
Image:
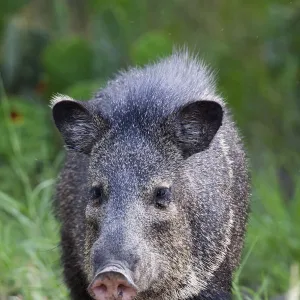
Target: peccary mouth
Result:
[113, 282]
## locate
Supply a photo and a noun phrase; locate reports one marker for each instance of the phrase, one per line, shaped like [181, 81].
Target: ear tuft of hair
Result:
[58, 98]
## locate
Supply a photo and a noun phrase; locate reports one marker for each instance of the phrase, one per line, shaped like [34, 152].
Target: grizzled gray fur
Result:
[153, 197]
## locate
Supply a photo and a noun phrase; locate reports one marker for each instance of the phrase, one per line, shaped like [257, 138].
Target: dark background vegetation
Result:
[74, 46]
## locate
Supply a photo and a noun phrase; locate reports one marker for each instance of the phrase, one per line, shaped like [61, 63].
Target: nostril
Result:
[126, 291]
[123, 289]
[100, 290]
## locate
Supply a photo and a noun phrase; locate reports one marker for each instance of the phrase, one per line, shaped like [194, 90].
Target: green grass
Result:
[29, 253]
[29, 259]
[273, 237]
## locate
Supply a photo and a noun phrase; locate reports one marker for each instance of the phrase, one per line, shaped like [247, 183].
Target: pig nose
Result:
[112, 286]
[113, 282]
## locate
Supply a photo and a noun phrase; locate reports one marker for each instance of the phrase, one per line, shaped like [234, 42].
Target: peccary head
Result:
[155, 227]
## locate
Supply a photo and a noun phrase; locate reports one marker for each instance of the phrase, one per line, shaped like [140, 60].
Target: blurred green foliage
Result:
[73, 47]
[150, 47]
[73, 56]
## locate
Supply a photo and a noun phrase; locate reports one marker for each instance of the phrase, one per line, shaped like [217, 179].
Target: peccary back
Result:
[153, 196]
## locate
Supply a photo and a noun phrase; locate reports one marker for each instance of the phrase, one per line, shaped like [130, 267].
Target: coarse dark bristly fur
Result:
[161, 125]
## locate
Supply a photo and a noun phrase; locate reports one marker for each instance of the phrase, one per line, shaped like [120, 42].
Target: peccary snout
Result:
[113, 282]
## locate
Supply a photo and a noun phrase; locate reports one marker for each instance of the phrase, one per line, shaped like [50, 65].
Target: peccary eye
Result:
[96, 192]
[162, 197]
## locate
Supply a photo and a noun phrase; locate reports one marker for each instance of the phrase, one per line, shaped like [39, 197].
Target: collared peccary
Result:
[153, 197]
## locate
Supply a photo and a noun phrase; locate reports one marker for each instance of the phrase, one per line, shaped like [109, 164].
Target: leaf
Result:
[67, 61]
[150, 46]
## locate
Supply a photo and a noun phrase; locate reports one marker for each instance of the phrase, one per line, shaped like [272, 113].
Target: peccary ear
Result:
[77, 125]
[195, 126]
